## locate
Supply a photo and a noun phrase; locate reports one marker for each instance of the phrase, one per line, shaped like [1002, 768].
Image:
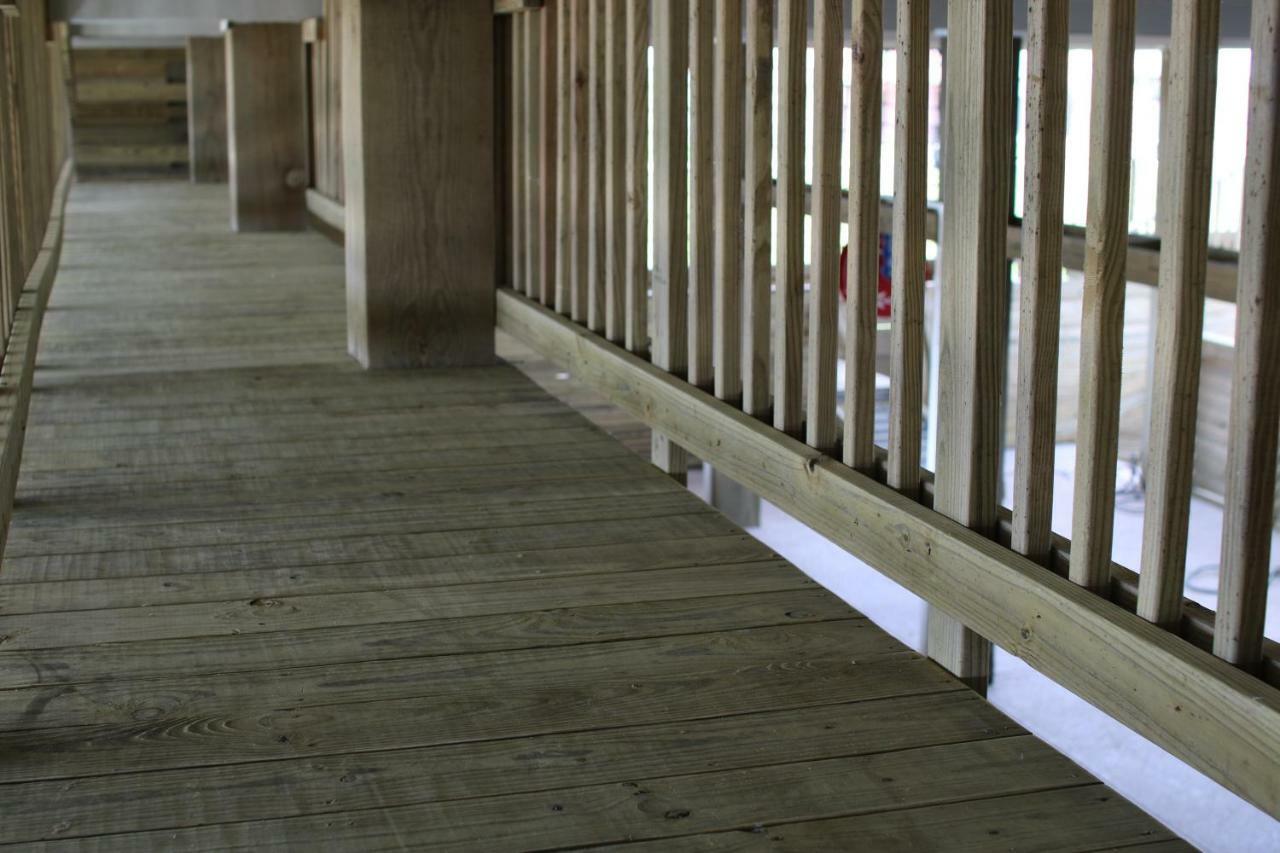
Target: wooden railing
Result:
[35, 175]
[726, 365]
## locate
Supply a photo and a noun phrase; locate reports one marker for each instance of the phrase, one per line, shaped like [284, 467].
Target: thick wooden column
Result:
[418, 143]
[207, 109]
[266, 127]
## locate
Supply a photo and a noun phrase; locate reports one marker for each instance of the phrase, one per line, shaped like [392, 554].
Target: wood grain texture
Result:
[636, 287]
[420, 233]
[824, 282]
[1248, 516]
[730, 136]
[863, 263]
[1186, 158]
[615, 169]
[757, 209]
[788, 296]
[207, 109]
[266, 127]
[578, 65]
[548, 155]
[1102, 327]
[531, 174]
[1039, 311]
[516, 142]
[1207, 712]
[911, 137]
[970, 376]
[597, 209]
[670, 337]
[564, 253]
[701, 191]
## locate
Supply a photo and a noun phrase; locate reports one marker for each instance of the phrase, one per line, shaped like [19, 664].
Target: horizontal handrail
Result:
[18, 368]
[1213, 716]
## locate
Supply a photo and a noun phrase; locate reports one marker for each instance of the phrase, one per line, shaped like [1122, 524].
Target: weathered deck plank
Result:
[255, 598]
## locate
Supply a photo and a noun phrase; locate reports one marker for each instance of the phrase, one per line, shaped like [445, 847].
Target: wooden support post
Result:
[266, 127]
[418, 142]
[976, 188]
[207, 109]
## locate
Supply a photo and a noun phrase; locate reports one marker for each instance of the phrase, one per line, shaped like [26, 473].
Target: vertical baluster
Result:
[974, 288]
[1187, 160]
[670, 211]
[596, 201]
[1255, 391]
[863, 267]
[701, 197]
[615, 168]
[579, 175]
[531, 74]
[1102, 326]
[1041, 272]
[637, 154]
[911, 136]
[824, 252]
[12, 269]
[788, 298]
[564, 167]
[548, 114]
[757, 209]
[729, 134]
[517, 139]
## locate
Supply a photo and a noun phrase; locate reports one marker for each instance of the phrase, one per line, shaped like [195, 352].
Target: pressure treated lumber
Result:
[1174, 694]
[1041, 288]
[266, 127]
[636, 273]
[730, 134]
[207, 109]
[1186, 154]
[863, 265]
[824, 250]
[670, 335]
[788, 295]
[420, 229]
[970, 373]
[1102, 327]
[757, 208]
[911, 137]
[1248, 518]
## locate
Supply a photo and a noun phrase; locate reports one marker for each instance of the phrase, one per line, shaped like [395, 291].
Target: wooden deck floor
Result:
[256, 597]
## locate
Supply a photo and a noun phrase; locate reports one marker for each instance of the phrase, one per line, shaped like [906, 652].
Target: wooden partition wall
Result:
[35, 173]
[728, 366]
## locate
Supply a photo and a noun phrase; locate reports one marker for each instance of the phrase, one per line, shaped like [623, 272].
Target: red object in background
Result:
[884, 281]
